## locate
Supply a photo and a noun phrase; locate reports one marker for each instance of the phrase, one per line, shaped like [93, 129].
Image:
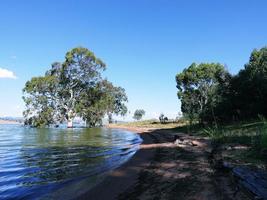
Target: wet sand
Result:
[162, 169]
[125, 176]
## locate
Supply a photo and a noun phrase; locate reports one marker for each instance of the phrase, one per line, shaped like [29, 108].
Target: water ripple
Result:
[37, 162]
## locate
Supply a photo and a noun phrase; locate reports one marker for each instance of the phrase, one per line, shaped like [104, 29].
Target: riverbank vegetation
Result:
[241, 143]
[211, 95]
[230, 109]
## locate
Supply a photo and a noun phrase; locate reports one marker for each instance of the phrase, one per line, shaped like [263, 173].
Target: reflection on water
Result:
[37, 162]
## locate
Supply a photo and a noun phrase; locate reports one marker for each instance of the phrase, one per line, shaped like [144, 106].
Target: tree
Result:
[209, 93]
[197, 89]
[163, 119]
[249, 87]
[106, 99]
[166, 119]
[72, 89]
[40, 107]
[138, 114]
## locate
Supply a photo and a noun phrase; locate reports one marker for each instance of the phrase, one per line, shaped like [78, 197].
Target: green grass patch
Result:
[252, 135]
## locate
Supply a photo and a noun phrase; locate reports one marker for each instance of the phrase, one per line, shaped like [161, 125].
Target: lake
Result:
[59, 163]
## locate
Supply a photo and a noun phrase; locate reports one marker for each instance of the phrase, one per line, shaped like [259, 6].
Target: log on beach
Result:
[253, 181]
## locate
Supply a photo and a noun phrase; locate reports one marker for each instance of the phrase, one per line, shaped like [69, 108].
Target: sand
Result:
[8, 122]
[162, 169]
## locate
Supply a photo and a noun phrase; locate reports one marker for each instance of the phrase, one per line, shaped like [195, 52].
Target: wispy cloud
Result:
[4, 73]
[13, 57]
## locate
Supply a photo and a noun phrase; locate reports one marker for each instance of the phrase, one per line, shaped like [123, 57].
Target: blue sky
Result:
[144, 43]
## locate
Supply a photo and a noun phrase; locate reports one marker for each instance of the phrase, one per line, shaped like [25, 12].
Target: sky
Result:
[144, 43]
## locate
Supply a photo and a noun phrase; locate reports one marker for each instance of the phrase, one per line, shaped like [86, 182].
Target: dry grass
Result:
[153, 124]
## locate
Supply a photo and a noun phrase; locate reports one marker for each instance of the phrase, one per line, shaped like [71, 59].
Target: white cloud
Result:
[4, 73]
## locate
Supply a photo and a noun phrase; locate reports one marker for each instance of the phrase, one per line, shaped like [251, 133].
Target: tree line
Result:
[210, 94]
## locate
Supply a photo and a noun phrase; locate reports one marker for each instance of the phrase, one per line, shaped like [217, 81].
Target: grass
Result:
[248, 133]
[243, 143]
[155, 124]
[252, 136]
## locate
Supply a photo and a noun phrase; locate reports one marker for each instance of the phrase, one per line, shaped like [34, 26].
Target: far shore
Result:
[8, 122]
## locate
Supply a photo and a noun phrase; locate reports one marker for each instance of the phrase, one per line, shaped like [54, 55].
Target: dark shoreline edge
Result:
[119, 180]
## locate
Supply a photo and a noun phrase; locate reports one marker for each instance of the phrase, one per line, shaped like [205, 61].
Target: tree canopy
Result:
[247, 93]
[138, 114]
[197, 89]
[74, 88]
[209, 93]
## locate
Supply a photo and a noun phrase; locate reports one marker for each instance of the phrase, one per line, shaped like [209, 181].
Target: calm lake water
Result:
[59, 163]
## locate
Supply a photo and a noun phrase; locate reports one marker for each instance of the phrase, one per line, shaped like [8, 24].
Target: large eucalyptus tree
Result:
[70, 89]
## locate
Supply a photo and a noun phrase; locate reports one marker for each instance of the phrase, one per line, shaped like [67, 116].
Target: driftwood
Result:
[181, 141]
[253, 181]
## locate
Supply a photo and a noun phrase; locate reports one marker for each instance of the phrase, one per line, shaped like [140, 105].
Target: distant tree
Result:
[161, 118]
[197, 89]
[166, 119]
[72, 88]
[138, 114]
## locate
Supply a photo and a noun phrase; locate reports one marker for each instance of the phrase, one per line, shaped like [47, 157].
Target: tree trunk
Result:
[110, 120]
[70, 118]
[70, 123]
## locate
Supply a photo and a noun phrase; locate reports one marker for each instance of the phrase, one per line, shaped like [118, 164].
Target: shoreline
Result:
[164, 169]
[126, 176]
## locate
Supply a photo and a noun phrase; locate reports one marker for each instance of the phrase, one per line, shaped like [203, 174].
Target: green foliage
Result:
[138, 114]
[250, 134]
[263, 134]
[104, 99]
[163, 119]
[198, 90]
[72, 88]
[214, 133]
[210, 94]
[249, 87]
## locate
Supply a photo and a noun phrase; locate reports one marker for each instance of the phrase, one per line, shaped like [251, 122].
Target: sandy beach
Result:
[162, 169]
[125, 176]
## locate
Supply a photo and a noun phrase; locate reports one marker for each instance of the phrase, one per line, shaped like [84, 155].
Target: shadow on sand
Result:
[162, 169]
